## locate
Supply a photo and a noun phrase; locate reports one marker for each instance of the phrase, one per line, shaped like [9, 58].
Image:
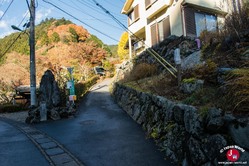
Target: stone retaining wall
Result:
[186, 136]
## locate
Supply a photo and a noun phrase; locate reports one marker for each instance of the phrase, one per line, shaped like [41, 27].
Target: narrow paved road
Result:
[102, 134]
[18, 150]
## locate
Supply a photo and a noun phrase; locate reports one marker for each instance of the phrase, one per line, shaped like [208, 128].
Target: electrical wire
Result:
[56, 11]
[6, 10]
[81, 21]
[28, 6]
[23, 18]
[11, 44]
[112, 4]
[114, 18]
[159, 58]
[16, 37]
[90, 15]
[92, 6]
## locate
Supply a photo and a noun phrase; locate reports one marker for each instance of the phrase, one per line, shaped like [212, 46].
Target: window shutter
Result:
[147, 3]
[129, 21]
[152, 1]
[189, 16]
[136, 12]
[154, 36]
[166, 27]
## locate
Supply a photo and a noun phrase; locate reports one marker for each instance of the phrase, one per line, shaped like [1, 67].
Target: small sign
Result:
[198, 42]
[69, 85]
[177, 56]
[70, 70]
[72, 97]
[72, 89]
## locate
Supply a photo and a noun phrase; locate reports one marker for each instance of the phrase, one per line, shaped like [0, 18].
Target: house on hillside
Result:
[151, 21]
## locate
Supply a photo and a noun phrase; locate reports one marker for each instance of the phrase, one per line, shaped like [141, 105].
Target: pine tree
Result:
[55, 37]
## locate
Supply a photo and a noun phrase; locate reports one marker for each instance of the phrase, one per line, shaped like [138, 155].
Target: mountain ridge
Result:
[59, 44]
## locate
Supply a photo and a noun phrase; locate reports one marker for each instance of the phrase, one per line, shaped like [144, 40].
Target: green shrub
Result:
[8, 108]
[202, 97]
[203, 111]
[189, 80]
[154, 134]
[81, 88]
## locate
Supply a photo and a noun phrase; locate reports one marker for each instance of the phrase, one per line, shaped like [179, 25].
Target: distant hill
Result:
[59, 44]
[114, 50]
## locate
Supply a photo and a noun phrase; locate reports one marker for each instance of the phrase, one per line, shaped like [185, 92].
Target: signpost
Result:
[70, 85]
[178, 61]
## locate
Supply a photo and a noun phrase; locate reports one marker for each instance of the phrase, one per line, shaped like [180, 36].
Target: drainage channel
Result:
[52, 150]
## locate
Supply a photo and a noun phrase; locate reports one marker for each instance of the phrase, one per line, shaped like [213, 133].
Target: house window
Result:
[196, 22]
[159, 31]
[148, 3]
[133, 16]
[205, 22]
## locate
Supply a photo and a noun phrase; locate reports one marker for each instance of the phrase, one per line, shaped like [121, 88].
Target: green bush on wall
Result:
[81, 88]
[8, 108]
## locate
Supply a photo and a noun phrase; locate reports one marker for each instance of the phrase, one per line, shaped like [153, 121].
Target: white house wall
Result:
[175, 13]
[176, 26]
[141, 22]
[176, 19]
[213, 4]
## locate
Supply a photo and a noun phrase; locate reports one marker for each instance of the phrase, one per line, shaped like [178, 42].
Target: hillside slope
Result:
[59, 44]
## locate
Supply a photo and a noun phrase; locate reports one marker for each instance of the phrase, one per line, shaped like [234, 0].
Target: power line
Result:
[113, 17]
[81, 21]
[90, 15]
[112, 4]
[92, 6]
[89, 5]
[158, 57]
[56, 11]
[109, 4]
[16, 37]
[11, 45]
[6, 9]
[23, 18]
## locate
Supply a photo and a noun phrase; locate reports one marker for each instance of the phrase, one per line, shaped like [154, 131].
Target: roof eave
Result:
[127, 6]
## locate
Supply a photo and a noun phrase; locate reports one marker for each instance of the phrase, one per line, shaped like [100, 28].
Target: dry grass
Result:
[140, 71]
[238, 90]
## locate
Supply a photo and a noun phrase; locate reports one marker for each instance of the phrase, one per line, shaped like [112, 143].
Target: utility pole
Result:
[33, 102]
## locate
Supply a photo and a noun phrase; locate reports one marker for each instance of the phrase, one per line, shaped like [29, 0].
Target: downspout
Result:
[130, 47]
[183, 21]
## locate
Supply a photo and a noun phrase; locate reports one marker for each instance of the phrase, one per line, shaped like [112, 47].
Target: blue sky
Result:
[85, 10]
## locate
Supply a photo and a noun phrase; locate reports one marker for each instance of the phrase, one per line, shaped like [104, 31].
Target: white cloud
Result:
[42, 14]
[1, 13]
[3, 24]
[6, 33]
[5, 27]
[4, 1]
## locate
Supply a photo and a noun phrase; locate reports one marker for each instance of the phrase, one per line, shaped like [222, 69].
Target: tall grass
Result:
[238, 90]
[140, 71]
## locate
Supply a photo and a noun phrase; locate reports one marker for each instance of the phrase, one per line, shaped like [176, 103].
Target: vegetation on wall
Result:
[81, 88]
[225, 50]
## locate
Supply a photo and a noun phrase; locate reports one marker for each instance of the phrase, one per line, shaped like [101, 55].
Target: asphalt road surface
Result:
[17, 150]
[102, 134]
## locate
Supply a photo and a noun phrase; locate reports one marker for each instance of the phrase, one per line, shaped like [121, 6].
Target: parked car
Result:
[99, 70]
